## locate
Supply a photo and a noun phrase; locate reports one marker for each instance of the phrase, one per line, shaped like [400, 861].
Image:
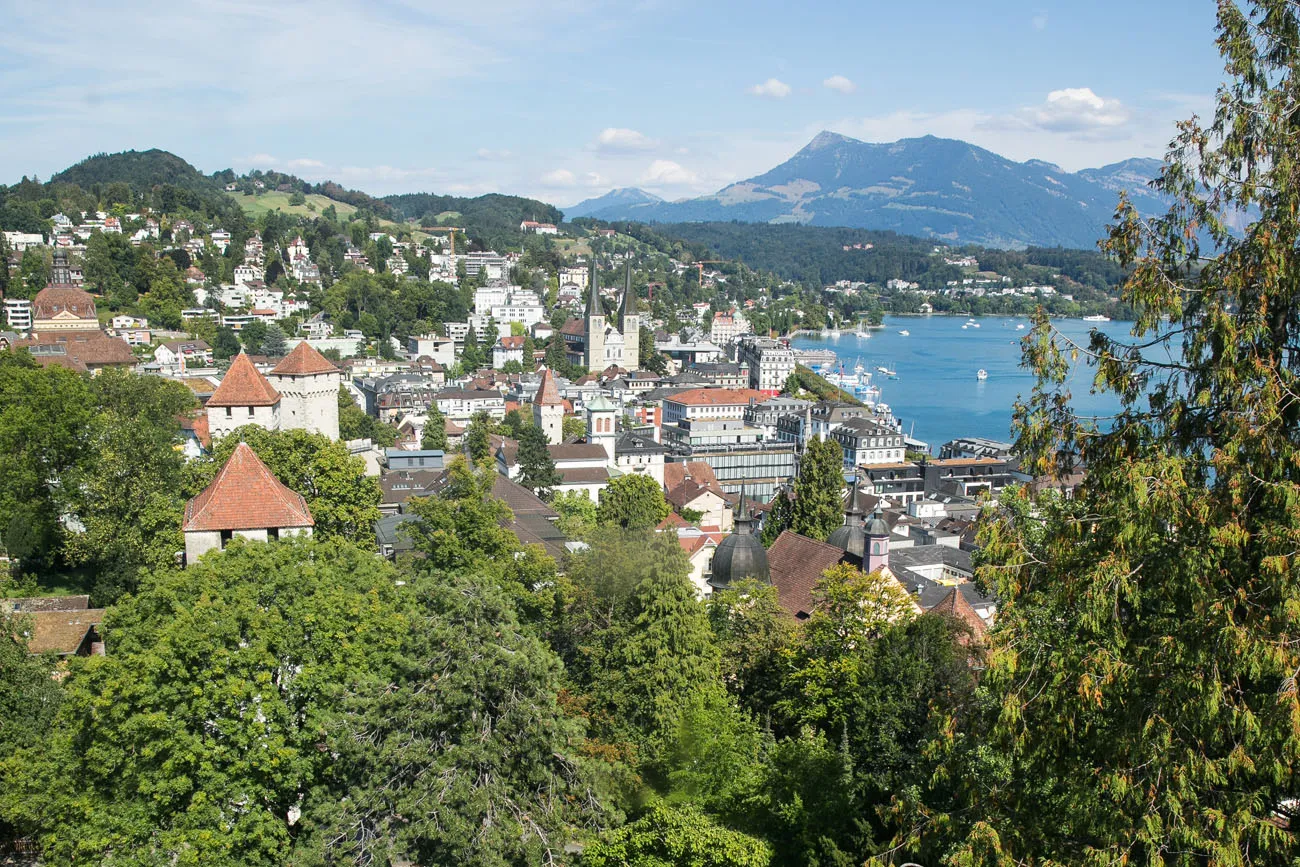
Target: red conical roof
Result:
[245, 495]
[243, 385]
[304, 361]
[548, 394]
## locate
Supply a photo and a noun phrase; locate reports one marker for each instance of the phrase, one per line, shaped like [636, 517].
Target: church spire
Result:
[628, 307]
[593, 300]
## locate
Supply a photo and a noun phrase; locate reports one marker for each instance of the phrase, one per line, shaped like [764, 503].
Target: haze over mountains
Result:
[929, 187]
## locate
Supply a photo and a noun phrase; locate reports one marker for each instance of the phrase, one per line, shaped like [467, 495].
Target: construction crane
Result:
[451, 234]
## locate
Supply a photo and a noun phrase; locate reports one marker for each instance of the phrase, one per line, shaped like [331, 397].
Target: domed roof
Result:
[877, 526]
[739, 556]
[850, 538]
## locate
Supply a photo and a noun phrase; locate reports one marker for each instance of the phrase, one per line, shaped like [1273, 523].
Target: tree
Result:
[818, 492]
[275, 343]
[471, 356]
[228, 681]
[478, 437]
[343, 500]
[225, 344]
[753, 633]
[45, 416]
[573, 427]
[460, 529]
[252, 335]
[466, 757]
[792, 385]
[536, 467]
[35, 270]
[356, 424]
[577, 514]
[1142, 674]
[126, 492]
[434, 436]
[667, 837]
[557, 358]
[661, 654]
[633, 502]
[29, 699]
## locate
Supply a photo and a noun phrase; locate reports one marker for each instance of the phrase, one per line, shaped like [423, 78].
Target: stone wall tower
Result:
[548, 409]
[593, 355]
[629, 323]
[309, 391]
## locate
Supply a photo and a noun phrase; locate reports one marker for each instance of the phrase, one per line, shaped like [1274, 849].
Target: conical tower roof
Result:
[593, 298]
[629, 305]
[304, 361]
[547, 393]
[741, 555]
[245, 495]
[244, 385]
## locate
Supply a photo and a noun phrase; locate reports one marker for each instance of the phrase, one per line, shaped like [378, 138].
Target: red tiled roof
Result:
[57, 298]
[717, 397]
[303, 361]
[514, 342]
[246, 496]
[574, 328]
[796, 564]
[244, 385]
[547, 393]
[199, 424]
[678, 471]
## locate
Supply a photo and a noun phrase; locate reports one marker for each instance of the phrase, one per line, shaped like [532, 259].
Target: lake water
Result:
[937, 395]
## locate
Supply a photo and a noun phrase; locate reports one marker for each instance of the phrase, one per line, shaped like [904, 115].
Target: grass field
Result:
[256, 206]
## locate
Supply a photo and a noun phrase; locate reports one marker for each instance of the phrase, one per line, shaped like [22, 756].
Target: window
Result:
[250, 412]
[228, 412]
[875, 548]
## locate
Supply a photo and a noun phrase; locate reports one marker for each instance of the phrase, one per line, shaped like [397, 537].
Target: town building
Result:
[600, 344]
[865, 441]
[309, 389]
[246, 500]
[18, 312]
[62, 306]
[770, 363]
[548, 410]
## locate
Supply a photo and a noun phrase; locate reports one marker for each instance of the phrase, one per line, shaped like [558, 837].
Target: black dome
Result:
[850, 538]
[740, 556]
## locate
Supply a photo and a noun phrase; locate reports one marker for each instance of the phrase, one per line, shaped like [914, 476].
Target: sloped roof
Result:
[577, 452]
[245, 495]
[55, 299]
[796, 563]
[547, 393]
[61, 632]
[303, 361]
[678, 471]
[244, 385]
[718, 397]
[78, 351]
[955, 604]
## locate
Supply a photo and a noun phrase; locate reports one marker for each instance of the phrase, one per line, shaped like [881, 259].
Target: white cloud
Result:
[619, 140]
[305, 164]
[594, 179]
[490, 154]
[559, 178]
[1039, 21]
[773, 88]
[668, 173]
[840, 83]
[1076, 110]
[261, 160]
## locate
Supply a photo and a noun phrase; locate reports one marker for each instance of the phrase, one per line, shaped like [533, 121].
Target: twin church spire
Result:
[605, 345]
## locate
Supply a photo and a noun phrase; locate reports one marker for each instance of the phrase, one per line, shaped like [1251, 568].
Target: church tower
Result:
[601, 424]
[629, 322]
[594, 349]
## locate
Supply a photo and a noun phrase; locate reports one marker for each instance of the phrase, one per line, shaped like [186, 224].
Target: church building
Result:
[301, 394]
[598, 344]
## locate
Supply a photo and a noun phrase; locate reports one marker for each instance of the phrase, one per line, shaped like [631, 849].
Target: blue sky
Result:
[569, 98]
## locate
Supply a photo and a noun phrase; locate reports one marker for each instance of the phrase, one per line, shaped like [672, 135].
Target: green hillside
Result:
[141, 169]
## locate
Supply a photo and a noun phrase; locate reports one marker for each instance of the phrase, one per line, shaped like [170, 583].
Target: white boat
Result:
[863, 334]
[1096, 318]
[974, 325]
[981, 374]
[1020, 327]
[905, 332]
[964, 327]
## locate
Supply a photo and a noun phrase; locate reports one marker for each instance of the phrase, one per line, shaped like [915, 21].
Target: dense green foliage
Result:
[492, 217]
[633, 502]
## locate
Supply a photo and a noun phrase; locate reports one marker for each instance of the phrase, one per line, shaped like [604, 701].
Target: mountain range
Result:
[929, 187]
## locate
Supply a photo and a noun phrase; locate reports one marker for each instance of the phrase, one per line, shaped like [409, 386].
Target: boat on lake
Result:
[1097, 317]
[905, 332]
[981, 374]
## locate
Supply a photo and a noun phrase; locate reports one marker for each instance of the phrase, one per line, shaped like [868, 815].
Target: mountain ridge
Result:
[932, 187]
